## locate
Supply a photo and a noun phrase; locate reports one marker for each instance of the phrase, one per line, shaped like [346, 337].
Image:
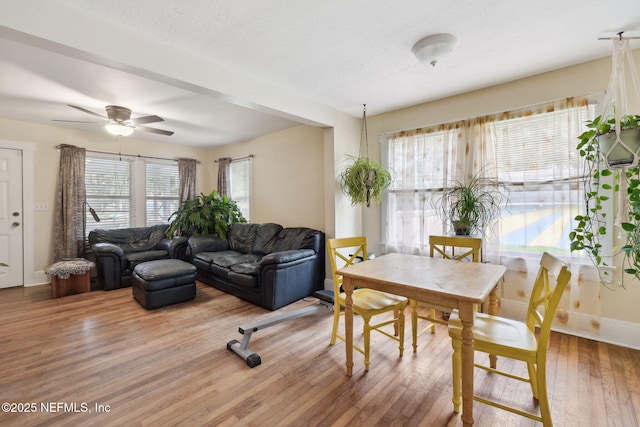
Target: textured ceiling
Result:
[335, 53]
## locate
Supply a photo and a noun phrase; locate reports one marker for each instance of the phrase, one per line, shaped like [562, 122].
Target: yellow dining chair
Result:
[456, 248]
[517, 340]
[366, 302]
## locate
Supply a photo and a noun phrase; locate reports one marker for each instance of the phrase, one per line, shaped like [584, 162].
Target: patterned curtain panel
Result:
[69, 210]
[187, 174]
[223, 176]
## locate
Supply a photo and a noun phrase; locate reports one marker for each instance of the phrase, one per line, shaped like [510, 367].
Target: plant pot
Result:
[460, 228]
[620, 155]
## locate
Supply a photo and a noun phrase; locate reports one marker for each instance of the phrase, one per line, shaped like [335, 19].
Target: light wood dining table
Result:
[447, 283]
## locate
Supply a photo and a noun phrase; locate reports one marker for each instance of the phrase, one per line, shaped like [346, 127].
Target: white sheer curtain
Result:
[424, 162]
[533, 152]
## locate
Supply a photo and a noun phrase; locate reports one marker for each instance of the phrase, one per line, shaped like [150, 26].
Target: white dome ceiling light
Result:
[432, 49]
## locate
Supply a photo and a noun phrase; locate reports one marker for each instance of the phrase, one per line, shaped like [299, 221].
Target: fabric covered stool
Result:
[163, 282]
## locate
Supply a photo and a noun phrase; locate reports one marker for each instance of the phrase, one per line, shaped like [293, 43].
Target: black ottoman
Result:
[163, 282]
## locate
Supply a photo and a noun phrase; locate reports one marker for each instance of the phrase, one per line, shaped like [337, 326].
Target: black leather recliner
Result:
[118, 251]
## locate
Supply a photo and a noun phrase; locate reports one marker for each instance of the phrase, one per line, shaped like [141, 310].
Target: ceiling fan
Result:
[119, 122]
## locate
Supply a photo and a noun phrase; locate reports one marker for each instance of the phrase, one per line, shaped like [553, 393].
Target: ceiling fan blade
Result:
[84, 110]
[74, 121]
[154, 130]
[146, 119]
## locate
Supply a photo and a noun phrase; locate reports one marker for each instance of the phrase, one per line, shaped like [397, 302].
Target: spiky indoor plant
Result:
[364, 179]
[469, 207]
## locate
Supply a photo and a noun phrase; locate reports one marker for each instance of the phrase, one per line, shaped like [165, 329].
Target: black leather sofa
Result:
[118, 251]
[265, 264]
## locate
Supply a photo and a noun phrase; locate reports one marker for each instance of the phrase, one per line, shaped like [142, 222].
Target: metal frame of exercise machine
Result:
[325, 300]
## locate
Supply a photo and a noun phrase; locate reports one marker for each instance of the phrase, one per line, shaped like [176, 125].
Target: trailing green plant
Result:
[600, 184]
[364, 180]
[469, 207]
[206, 214]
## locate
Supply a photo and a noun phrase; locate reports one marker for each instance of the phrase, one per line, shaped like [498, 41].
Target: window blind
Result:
[109, 191]
[162, 189]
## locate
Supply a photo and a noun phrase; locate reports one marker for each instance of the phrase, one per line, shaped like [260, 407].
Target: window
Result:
[240, 185]
[162, 187]
[532, 152]
[537, 159]
[109, 192]
[113, 182]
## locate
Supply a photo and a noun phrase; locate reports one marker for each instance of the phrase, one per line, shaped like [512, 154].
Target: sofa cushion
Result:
[230, 260]
[297, 238]
[138, 257]
[241, 236]
[250, 268]
[266, 238]
[131, 239]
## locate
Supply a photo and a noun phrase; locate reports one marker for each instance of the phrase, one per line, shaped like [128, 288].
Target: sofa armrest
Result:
[176, 246]
[199, 244]
[111, 264]
[286, 256]
[108, 249]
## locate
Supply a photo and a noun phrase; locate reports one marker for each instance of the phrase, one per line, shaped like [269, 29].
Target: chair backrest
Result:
[546, 295]
[344, 252]
[456, 248]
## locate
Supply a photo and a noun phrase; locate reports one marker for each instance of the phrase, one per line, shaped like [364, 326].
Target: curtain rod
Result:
[248, 156]
[124, 154]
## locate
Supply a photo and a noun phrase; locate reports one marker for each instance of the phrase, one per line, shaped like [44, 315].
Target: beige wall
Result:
[288, 185]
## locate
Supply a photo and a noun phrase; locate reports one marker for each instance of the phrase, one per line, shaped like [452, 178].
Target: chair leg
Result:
[396, 314]
[433, 316]
[414, 324]
[543, 399]
[456, 364]
[336, 321]
[401, 332]
[533, 377]
[367, 342]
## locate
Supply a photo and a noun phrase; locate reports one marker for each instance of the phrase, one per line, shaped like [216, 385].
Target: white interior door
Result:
[11, 228]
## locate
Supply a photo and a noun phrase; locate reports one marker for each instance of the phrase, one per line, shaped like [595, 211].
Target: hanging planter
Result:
[365, 179]
[611, 150]
[621, 149]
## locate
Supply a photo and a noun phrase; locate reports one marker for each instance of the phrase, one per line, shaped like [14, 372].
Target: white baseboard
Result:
[611, 331]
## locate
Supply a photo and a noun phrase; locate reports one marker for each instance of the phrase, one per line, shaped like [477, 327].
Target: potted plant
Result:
[594, 146]
[469, 207]
[364, 180]
[206, 214]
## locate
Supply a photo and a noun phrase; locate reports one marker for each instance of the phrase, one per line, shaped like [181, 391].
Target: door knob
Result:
[15, 224]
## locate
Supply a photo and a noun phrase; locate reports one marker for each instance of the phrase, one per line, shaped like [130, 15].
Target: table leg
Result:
[493, 310]
[467, 313]
[348, 322]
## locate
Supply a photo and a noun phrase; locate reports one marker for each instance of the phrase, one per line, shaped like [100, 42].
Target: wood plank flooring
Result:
[112, 363]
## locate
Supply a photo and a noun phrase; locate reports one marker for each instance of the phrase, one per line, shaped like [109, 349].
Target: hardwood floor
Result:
[122, 365]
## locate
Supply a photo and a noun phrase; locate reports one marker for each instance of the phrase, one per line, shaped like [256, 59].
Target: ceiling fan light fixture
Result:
[118, 129]
[432, 49]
